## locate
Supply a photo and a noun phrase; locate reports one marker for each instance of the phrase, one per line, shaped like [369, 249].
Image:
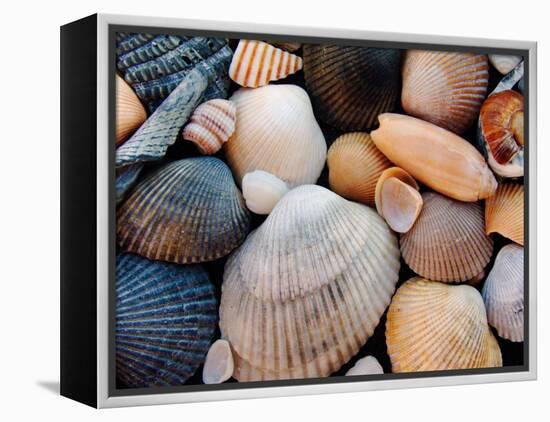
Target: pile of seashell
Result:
[304, 211]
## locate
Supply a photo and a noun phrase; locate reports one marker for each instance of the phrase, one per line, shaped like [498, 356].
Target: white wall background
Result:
[29, 238]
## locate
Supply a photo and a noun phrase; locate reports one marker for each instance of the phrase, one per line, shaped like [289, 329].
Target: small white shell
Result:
[503, 63]
[262, 191]
[366, 366]
[218, 366]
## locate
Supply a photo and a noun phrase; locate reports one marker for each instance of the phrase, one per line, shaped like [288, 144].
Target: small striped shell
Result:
[434, 326]
[187, 211]
[211, 124]
[366, 366]
[276, 132]
[351, 86]
[448, 241]
[504, 212]
[354, 165]
[166, 317]
[444, 88]
[503, 293]
[130, 113]
[504, 63]
[262, 191]
[306, 290]
[256, 63]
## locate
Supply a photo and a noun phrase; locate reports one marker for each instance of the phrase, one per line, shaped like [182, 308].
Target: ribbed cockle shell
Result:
[256, 63]
[211, 124]
[504, 212]
[434, 156]
[130, 113]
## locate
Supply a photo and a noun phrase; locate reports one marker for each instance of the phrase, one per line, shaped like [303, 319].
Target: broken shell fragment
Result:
[436, 157]
[366, 366]
[262, 191]
[218, 366]
[504, 212]
[504, 63]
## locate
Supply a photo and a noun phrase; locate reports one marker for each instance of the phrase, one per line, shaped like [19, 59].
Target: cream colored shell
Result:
[504, 63]
[218, 366]
[366, 366]
[262, 191]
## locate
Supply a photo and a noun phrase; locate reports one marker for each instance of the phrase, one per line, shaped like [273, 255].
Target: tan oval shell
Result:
[256, 63]
[435, 326]
[444, 88]
[504, 212]
[276, 132]
[211, 124]
[262, 191]
[504, 63]
[354, 165]
[306, 290]
[368, 365]
[436, 157]
[448, 241]
[218, 366]
[130, 113]
[503, 293]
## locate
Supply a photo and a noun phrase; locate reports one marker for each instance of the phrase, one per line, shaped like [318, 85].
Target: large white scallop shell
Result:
[503, 293]
[276, 132]
[436, 326]
[308, 287]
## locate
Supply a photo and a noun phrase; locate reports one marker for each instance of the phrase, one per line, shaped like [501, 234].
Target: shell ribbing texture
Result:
[504, 212]
[130, 113]
[161, 129]
[308, 287]
[132, 41]
[126, 177]
[158, 46]
[351, 86]
[503, 293]
[448, 241]
[187, 211]
[436, 326]
[256, 63]
[166, 316]
[444, 88]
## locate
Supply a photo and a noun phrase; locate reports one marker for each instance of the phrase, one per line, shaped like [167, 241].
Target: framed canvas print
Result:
[253, 211]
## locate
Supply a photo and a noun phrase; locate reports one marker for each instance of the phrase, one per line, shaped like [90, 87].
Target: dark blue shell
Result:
[166, 316]
[126, 178]
[155, 48]
[131, 42]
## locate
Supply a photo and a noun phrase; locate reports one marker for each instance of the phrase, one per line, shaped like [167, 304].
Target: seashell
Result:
[158, 46]
[218, 366]
[161, 129]
[501, 132]
[276, 132]
[307, 288]
[288, 46]
[187, 211]
[444, 88]
[126, 177]
[436, 157]
[130, 113]
[504, 63]
[131, 42]
[397, 199]
[504, 212]
[366, 366]
[434, 326]
[503, 293]
[256, 63]
[448, 241]
[166, 316]
[354, 165]
[351, 86]
[262, 191]
[211, 124]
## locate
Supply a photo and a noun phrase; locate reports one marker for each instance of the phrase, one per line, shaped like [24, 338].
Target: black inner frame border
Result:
[113, 391]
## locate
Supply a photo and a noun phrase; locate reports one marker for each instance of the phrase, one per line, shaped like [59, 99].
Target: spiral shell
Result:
[262, 191]
[503, 293]
[434, 156]
[354, 165]
[366, 366]
[504, 63]
[444, 88]
[130, 113]
[448, 241]
[351, 86]
[211, 124]
[187, 211]
[276, 132]
[256, 63]
[308, 287]
[166, 316]
[504, 212]
[434, 326]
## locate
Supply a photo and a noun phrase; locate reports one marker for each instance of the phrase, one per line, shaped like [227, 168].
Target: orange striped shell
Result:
[256, 63]
[130, 113]
[444, 88]
[211, 124]
[504, 212]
